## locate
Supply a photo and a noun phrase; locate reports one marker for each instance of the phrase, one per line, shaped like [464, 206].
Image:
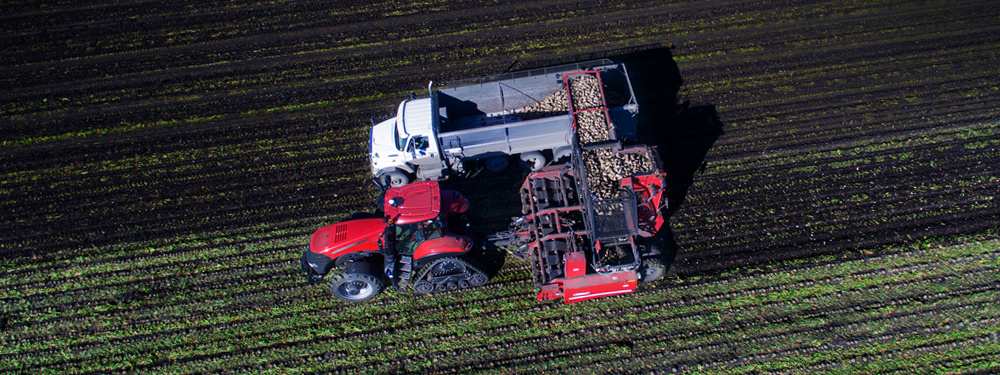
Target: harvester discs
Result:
[651, 269]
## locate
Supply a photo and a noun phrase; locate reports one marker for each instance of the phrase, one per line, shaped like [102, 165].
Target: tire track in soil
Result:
[800, 201]
[855, 220]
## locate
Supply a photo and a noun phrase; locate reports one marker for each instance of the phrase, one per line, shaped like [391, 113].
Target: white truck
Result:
[490, 119]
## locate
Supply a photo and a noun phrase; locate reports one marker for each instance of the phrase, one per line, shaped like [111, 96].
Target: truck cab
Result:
[406, 145]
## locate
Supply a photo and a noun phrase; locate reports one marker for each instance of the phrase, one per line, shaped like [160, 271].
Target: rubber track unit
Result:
[448, 274]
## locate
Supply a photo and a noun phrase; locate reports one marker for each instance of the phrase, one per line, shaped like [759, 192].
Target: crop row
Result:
[286, 67]
[561, 321]
[585, 335]
[845, 128]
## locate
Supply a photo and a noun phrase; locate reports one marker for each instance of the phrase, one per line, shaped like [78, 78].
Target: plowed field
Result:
[834, 169]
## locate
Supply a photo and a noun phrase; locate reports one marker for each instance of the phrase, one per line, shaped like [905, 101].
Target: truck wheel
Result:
[497, 163]
[395, 178]
[355, 287]
[562, 154]
[651, 269]
[532, 161]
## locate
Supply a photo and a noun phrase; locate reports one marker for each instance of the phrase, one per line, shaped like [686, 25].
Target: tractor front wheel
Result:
[355, 287]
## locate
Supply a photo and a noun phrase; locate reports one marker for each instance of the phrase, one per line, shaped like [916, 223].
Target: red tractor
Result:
[408, 244]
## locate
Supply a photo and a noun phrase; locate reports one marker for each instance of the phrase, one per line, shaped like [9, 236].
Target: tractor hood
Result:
[347, 237]
[413, 203]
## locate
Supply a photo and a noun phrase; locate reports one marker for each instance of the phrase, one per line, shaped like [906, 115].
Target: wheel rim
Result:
[447, 267]
[355, 289]
[533, 161]
[653, 273]
[563, 154]
[396, 181]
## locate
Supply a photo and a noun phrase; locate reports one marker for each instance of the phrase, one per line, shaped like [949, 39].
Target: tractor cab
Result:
[419, 213]
[409, 236]
[411, 244]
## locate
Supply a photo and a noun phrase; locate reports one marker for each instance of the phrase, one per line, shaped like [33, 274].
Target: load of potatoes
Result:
[591, 124]
[555, 103]
[606, 167]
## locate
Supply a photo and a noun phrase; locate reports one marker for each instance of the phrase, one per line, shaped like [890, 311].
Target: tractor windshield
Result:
[409, 236]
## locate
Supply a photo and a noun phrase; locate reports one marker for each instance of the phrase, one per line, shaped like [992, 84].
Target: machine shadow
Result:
[683, 134]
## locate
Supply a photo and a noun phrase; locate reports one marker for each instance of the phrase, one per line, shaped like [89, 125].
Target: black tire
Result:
[497, 163]
[395, 179]
[532, 161]
[652, 269]
[355, 287]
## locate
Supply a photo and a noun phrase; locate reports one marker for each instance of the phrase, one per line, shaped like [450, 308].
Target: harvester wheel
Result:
[532, 161]
[497, 163]
[355, 287]
[651, 269]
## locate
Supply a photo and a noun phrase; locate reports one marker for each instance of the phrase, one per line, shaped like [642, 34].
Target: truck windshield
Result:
[399, 141]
